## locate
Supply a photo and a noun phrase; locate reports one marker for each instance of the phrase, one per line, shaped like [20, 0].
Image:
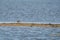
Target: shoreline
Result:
[29, 24]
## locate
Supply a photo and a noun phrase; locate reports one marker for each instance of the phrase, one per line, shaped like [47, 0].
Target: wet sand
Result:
[29, 24]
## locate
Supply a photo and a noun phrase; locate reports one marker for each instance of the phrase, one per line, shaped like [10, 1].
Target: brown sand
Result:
[26, 24]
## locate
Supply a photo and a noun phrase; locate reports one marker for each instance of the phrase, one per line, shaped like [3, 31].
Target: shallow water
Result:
[30, 10]
[28, 33]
